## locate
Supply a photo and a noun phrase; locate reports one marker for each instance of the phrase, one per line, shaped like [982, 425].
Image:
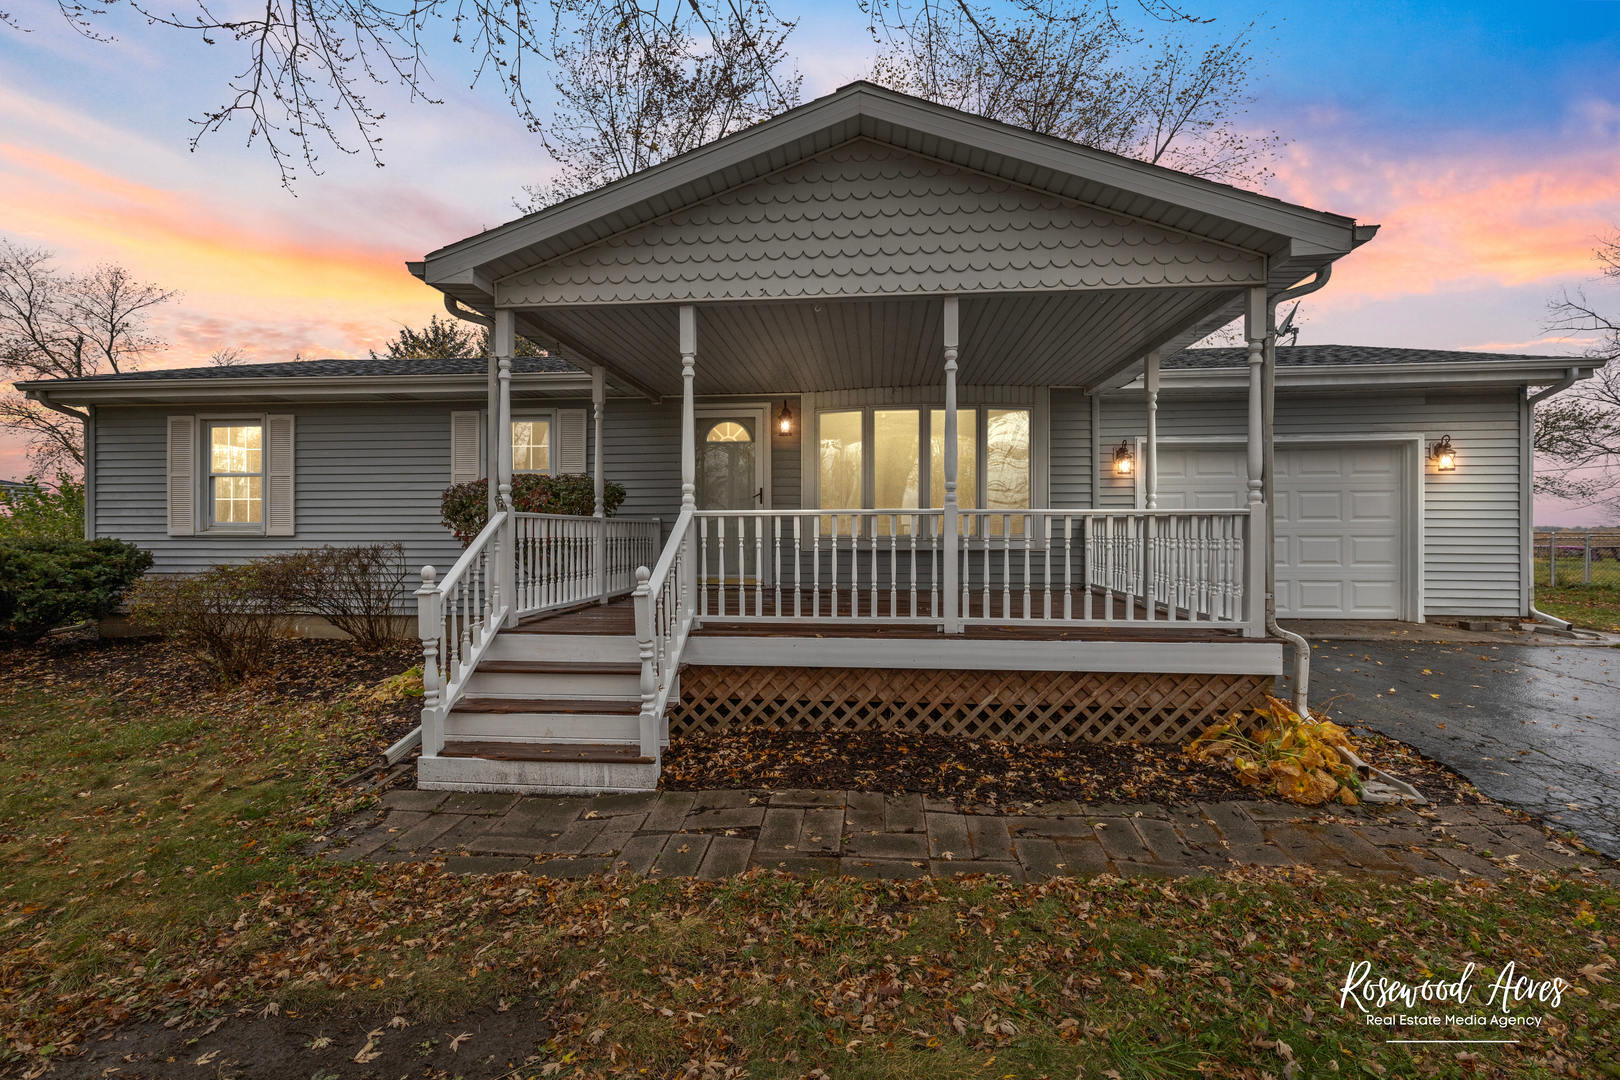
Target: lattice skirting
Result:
[1018, 706]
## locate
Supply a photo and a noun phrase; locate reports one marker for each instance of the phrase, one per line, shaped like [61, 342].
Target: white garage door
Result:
[1338, 522]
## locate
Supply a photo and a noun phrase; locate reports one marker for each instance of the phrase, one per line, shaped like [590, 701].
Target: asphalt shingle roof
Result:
[1340, 356]
[357, 367]
[1190, 359]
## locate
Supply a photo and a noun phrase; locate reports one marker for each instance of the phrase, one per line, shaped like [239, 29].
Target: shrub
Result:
[36, 512]
[466, 506]
[45, 584]
[354, 588]
[227, 615]
[1285, 755]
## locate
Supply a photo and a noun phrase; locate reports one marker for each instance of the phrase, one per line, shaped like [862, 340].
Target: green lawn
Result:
[152, 869]
[1596, 606]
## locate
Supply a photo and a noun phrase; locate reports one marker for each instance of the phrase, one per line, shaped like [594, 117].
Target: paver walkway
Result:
[714, 834]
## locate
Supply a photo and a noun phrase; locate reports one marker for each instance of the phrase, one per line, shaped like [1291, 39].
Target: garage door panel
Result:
[1339, 521]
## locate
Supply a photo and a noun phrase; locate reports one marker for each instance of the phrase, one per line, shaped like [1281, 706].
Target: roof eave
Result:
[285, 388]
[1350, 376]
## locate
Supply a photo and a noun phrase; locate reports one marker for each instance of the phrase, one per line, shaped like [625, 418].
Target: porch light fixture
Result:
[1124, 460]
[784, 420]
[1443, 455]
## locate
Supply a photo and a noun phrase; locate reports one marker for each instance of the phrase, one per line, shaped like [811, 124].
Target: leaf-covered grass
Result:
[1595, 606]
[152, 871]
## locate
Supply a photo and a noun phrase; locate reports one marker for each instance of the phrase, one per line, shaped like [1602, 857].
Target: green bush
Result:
[36, 512]
[227, 615]
[466, 506]
[45, 584]
[354, 588]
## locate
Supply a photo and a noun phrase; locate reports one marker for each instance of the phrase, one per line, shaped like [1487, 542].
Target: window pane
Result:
[967, 477]
[728, 431]
[841, 459]
[1006, 467]
[238, 500]
[234, 448]
[896, 464]
[531, 446]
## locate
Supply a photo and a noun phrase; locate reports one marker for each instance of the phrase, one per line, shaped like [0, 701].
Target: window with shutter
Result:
[466, 430]
[278, 476]
[182, 475]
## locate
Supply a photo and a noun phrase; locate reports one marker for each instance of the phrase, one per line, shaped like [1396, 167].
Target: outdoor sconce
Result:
[784, 420]
[1124, 460]
[1443, 455]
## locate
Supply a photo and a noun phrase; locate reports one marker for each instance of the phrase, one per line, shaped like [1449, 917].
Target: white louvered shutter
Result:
[278, 475]
[182, 475]
[570, 440]
[466, 430]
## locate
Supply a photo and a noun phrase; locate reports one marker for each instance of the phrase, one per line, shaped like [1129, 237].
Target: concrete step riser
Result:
[534, 777]
[563, 647]
[543, 727]
[553, 685]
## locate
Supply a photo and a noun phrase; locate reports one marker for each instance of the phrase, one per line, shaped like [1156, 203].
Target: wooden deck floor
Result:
[618, 618]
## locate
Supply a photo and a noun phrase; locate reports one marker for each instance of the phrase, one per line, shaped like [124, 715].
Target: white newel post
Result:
[429, 626]
[1257, 540]
[950, 585]
[689, 428]
[599, 512]
[643, 602]
[504, 340]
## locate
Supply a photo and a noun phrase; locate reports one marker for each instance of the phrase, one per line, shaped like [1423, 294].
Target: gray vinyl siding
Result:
[361, 474]
[1472, 551]
[1070, 440]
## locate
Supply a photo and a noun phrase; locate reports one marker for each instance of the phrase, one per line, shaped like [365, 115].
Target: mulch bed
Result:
[993, 774]
[155, 672]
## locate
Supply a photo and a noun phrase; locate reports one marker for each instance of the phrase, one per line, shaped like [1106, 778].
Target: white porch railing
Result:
[457, 617]
[564, 560]
[664, 616]
[1068, 567]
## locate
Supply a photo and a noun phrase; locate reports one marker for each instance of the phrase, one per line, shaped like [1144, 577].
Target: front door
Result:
[730, 477]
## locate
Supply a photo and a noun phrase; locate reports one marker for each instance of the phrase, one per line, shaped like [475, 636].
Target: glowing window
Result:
[728, 431]
[236, 474]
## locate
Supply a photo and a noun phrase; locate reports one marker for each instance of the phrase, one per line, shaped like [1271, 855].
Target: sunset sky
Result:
[1485, 138]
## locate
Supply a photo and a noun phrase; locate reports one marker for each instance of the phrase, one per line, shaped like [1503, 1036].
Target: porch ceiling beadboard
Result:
[867, 219]
[772, 347]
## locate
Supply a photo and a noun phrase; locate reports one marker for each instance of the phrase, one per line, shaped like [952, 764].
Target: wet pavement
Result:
[1534, 726]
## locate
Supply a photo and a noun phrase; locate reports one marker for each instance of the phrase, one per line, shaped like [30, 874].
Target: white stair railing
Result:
[457, 617]
[557, 558]
[664, 612]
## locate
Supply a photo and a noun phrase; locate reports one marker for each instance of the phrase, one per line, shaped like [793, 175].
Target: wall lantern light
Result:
[1443, 455]
[1124, 460]
[784, 420]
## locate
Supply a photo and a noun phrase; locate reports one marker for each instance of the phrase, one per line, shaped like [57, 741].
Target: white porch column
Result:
[1257, 539]
[1150, 454]
[688, 335]
[950, 588]
[503, 341]
[688, 423]
[599, 511]
[492, 417]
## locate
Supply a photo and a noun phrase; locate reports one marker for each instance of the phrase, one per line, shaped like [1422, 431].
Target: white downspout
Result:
[1268, 389]
[1529, 499]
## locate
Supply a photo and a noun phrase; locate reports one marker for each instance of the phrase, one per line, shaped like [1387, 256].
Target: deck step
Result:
[560, 667]
[590, 753]
[597, 706]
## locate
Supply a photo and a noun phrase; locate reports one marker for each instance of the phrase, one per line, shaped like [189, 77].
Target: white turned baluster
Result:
[759, 566]
[815, 569]
[798, 565]
[911, 541]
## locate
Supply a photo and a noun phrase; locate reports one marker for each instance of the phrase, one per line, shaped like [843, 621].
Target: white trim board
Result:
[967, 654]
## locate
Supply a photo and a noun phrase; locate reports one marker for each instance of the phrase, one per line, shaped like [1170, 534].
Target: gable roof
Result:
[1291, 234]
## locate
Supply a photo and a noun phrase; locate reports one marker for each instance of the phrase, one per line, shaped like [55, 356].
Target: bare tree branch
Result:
[66, 326]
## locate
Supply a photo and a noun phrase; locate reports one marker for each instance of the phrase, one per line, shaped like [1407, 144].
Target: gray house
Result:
[912, 439]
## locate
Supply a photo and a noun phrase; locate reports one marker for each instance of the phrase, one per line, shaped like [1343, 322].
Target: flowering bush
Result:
[1293, 758]
[466, 506]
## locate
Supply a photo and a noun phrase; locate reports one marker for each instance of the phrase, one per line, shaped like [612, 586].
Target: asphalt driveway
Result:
[1534, 726]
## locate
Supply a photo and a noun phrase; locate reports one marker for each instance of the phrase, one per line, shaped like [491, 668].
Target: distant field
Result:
[1596, 606]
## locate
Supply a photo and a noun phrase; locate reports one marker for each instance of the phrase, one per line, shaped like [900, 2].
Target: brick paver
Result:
[717, 834]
